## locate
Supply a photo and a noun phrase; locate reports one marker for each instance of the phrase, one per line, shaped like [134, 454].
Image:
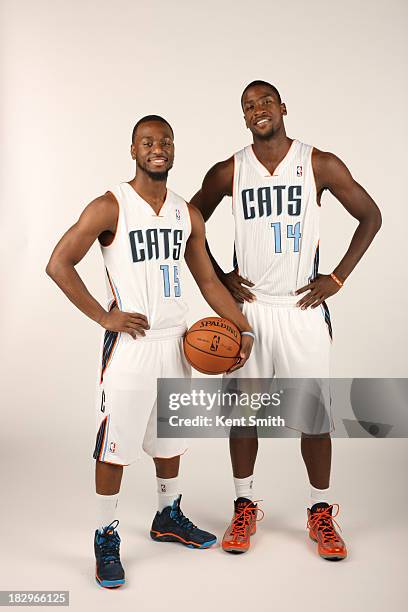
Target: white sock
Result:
[319, 495]
[167, 492]
[244, 486]
[106, 506]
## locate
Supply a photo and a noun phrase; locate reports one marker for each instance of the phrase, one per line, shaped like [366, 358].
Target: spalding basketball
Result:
[212, 345]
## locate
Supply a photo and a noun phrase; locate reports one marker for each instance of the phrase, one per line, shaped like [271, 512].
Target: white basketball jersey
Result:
[144, 262]
[276, 220]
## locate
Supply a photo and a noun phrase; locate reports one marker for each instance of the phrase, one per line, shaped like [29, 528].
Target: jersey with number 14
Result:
[144, 262]
[276, 220]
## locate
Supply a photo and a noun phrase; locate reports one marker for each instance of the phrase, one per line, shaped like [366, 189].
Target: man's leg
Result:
[316, 452]
[108, 478]
[109, 570]
[243, 443]
[167, 471]
[170, 524]
[243, 450]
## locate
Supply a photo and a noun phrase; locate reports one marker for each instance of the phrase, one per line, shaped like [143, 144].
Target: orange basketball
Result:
[212, 345]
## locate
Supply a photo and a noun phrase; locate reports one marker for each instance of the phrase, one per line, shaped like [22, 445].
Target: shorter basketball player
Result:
[145, 232]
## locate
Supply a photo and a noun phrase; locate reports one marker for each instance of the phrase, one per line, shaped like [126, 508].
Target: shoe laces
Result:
[322, 520]
[109, 542]
[243, 517]
[184, 522]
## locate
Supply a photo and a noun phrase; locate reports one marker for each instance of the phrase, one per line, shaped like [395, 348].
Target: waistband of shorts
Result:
[285, 301]
[161, 334]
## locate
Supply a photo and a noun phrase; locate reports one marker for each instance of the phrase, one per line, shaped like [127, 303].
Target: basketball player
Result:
[145, 231]
[276, 184]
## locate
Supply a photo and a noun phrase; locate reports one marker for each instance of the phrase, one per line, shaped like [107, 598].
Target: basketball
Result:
[212, 345]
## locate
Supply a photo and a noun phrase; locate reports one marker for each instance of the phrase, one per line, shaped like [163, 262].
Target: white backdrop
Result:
[77, 75]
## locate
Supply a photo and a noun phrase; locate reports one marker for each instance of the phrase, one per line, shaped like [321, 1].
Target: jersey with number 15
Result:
[144, 262]
[276, 221]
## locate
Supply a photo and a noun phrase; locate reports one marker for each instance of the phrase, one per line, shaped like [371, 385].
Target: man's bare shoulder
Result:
[101, 214]
[223, 169]
[326, 161]
[218, 180]
[195, 216]
[328, 169]
[105, 204]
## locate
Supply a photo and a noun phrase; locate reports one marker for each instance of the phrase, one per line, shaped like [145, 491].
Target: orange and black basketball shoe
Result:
[320, 522]
[237, 538]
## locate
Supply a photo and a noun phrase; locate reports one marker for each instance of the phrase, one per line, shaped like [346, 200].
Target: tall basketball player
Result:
[276, 184]
[145, 231]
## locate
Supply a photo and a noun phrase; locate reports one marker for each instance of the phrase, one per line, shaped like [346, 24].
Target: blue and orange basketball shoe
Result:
[170, 525]
[320, 522]
[109, 572]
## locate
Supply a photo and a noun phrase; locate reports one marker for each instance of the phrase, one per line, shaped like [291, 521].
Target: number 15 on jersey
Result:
[171, 285]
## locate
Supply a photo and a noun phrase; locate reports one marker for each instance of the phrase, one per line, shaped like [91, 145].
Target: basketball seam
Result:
[206, 353]
[217, 333]
[205, 371]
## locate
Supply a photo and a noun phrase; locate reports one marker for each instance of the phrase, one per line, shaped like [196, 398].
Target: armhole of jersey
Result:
[189, 218]
[313, 178]
[107, 246]
[233, 183]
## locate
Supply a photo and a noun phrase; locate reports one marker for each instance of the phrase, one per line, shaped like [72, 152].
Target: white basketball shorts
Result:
[291, 343]
[126, 406]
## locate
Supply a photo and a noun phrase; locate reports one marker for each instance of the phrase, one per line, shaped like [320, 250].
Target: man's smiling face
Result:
[263, 111]
[153, 149]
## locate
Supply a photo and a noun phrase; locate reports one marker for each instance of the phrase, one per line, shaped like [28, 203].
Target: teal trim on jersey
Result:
[118, 295]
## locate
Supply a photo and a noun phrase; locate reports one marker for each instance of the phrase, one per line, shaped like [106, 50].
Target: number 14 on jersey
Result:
[292, 231]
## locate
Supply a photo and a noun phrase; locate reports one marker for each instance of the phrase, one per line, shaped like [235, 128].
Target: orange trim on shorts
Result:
[104, 436]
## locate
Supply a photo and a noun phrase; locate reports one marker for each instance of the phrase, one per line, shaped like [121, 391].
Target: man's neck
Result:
[273, 148]
[154, 192]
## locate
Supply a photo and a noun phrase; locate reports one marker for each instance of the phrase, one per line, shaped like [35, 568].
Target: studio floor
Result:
[47, 532]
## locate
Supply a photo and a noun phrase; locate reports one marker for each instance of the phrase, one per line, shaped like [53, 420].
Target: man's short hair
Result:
[265, 84]
[150, 118]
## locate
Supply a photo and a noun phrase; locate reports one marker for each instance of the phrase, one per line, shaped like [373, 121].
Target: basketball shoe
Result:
[109, 571]
[237, 538]
[320, 522]
[170, 525]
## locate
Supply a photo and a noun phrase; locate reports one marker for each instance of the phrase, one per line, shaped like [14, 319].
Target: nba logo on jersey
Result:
[112, 447]
[299, 170]
[178, 215]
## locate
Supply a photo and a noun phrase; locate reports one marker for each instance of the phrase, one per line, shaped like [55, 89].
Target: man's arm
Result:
[98, 219]
[216, 185]
[332, 174]
[213, 291]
